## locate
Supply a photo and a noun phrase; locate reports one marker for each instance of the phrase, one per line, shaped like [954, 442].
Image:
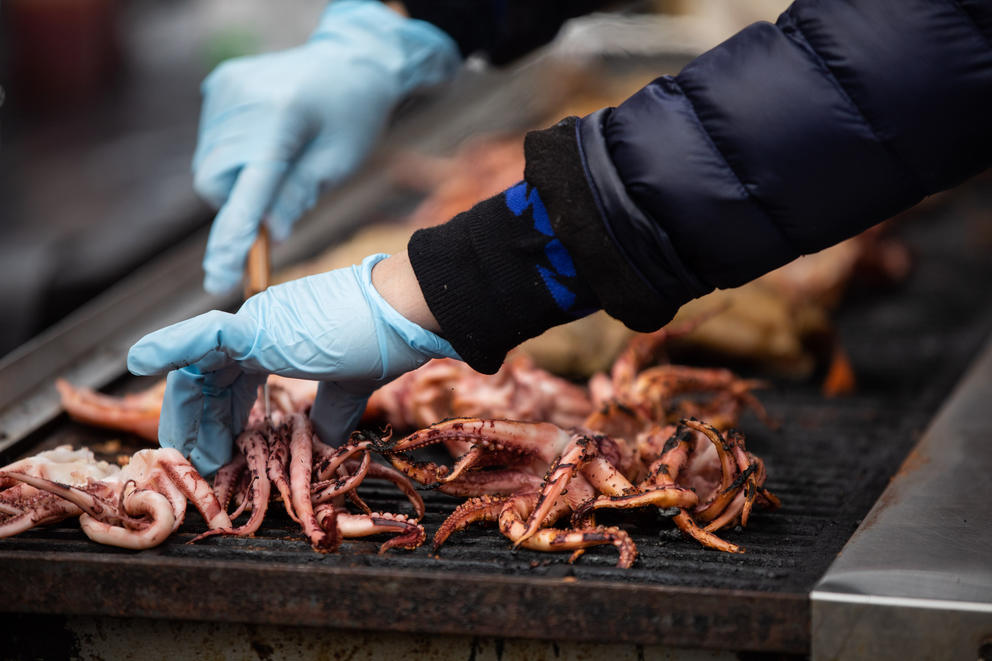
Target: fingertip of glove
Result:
[166, 441]
[141, 359]
[213, 188]
[219, 282]
[135, 365]
[280, 225]
[208, 463]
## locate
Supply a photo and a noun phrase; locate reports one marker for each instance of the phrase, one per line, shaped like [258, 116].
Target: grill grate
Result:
[828, 464]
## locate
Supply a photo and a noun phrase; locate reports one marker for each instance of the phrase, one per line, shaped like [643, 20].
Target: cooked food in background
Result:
[143, 504]
[138, 413]
[481, 168]
[136, 507]
[446, 388]
[780, 322]
[23, 506]
[525, 476]
[135, 413]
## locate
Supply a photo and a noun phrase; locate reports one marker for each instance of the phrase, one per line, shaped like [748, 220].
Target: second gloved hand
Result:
[333, 327]
[277, 129]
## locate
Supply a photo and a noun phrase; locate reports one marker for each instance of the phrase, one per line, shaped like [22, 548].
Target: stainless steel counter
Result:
[915, 580]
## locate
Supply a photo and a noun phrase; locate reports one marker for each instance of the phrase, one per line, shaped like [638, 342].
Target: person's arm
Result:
[275, 130]
[278, 129]
[781, 141]
[395, 281]
[778, 142]
[335, 327]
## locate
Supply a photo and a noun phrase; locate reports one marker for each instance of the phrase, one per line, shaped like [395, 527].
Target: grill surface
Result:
[828, 464]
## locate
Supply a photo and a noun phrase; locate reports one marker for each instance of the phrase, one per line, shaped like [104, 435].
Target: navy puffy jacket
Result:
[781, 141]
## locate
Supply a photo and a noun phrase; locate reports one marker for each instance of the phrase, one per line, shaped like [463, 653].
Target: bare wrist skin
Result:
[396, 282]
[398, 7]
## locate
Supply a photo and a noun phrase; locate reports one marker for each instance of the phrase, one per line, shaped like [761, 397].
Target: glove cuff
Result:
[416, 53]
[416, 337]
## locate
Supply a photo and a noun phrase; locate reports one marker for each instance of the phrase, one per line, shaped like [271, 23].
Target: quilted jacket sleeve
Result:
[781, 141]
[788, 138]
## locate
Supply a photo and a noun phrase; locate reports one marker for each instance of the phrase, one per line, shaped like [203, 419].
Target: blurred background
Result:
[98, 124]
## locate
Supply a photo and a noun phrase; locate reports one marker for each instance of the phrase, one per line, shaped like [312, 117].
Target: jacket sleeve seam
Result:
[604, 217]
[740, 182]
[804, 43]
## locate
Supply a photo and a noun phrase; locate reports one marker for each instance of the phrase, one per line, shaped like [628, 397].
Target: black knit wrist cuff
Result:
[496, 275]
[554, 166]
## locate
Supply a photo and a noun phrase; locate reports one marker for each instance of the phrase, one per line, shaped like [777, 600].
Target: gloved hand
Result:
[278, 129]
[334, 327]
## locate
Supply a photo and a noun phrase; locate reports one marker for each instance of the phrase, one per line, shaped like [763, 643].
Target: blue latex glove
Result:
[277, 129]
[334, 327]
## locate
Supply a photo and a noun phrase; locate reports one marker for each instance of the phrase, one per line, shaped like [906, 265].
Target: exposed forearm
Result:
[398, 7]
[394, 279]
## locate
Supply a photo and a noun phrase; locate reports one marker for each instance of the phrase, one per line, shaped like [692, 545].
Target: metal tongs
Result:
[257, 273]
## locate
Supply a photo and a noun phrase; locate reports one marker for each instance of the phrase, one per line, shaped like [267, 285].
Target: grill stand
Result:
[915, 580]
